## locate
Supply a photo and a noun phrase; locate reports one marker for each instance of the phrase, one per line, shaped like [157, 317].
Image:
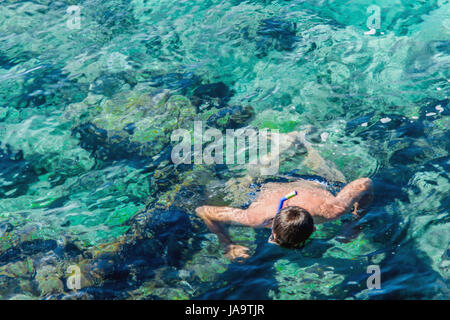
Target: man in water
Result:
[292, 225]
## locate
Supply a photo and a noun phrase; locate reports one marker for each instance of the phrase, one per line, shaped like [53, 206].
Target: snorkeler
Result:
[290, 209]
[291, 225]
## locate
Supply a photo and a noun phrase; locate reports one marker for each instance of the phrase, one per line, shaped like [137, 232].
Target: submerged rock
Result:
[211, 95]
[27, 248]
[138, 124]
[48, 279]
[36, 267]
[213, 90]
[6, 285]
[135, 124]
[157, 239]
[15, 173]
[179, 82]
[277, 34]
[231, 117]
[5, 229]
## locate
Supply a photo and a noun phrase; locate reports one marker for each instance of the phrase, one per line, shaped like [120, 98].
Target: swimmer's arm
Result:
[216, 217]
[358, 192]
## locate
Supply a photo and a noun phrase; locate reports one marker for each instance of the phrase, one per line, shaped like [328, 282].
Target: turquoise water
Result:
[86, 111]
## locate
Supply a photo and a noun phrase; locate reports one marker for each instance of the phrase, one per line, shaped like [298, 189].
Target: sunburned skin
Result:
[312, 196]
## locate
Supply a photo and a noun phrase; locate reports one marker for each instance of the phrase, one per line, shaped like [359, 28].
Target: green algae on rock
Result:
[135, 122]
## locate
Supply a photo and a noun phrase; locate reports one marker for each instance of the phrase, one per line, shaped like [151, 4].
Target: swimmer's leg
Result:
[294, 140]
[315, 162]
[284, 142]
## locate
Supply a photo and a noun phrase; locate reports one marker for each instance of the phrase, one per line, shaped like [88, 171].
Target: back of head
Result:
[292, 226]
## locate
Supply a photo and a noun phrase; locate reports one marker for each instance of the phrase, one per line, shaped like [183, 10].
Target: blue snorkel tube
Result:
[286, 197]
[280, 206]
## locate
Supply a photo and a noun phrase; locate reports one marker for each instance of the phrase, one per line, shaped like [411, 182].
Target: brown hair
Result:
[292, 226]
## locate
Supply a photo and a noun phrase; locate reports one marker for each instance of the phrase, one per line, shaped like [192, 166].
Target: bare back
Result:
[311, 196]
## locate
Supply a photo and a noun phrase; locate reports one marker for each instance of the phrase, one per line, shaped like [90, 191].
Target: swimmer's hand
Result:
[237, 252]
[355, 209]
[360, 208]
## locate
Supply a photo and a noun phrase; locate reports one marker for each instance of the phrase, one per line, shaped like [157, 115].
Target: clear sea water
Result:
[88, 98]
